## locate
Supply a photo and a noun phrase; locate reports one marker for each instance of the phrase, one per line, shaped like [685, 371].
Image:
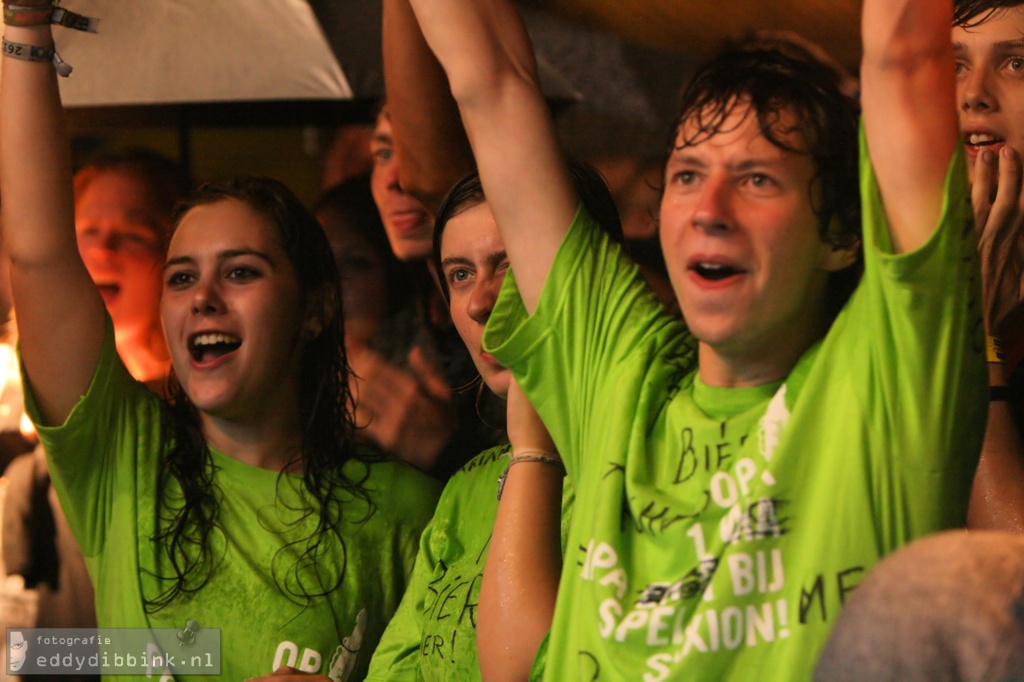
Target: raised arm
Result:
[60, 313]
[908, 99]
[431, 146]
[490, 65]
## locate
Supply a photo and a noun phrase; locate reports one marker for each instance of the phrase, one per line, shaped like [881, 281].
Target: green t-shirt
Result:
[104, 461]
[433, 635]
[717, 531]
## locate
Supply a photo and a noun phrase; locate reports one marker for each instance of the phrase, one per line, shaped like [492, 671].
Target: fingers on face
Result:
[1009, 177]
[983, 190]
[1008, 207]
[996, 195]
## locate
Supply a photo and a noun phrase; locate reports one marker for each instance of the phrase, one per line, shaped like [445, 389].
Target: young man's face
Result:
[742, 245]
[990, 82]
[410, 228]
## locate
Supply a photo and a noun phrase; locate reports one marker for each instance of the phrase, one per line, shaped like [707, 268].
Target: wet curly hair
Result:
[970, 13]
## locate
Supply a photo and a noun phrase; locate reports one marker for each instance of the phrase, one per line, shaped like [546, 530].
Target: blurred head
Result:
[250, 306]
[760, 213]
[406, 221]
[470, 258]
[988, 38]
[374, 282]
[123, 211]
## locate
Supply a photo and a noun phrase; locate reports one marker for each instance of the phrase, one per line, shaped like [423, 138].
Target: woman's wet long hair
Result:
[188, 500]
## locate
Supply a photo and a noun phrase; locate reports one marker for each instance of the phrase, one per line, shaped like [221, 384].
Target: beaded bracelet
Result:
[529, 456]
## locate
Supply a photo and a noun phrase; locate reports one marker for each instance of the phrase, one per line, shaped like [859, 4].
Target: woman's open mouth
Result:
[209, 347]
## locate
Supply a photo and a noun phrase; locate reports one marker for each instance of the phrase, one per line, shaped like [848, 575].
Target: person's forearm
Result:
[49, 283]
[908, 100]
[431, 145]
[488, 59]
[524, 563]
[36, 184]
[997, 495]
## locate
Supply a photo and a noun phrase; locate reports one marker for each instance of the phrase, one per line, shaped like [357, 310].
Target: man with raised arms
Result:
[723, 515]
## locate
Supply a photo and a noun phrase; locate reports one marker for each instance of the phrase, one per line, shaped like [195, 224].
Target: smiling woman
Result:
[227, 279]
[246, 487]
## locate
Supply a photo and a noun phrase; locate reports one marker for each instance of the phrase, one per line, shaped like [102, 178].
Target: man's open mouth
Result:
[715, 271]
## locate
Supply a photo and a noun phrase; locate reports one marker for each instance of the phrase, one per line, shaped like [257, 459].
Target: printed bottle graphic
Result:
[345, 655]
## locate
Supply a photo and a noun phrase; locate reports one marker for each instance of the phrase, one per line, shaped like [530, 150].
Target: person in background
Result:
[348, 154]
[392, 410]
[427, 639]
[374, 282]
[433, 634]
[435, 369]
[123, 208]
[990, 103]
[430, 639]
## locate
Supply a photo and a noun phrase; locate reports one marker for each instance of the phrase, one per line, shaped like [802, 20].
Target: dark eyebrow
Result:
[178, 260]
[222, 256]
[382, 138]
[1009, 45]
[494, 258]
[1002, 46]
[741, 166]
[754, 164]
[235, 253]
[455, 260]
[682, 157]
